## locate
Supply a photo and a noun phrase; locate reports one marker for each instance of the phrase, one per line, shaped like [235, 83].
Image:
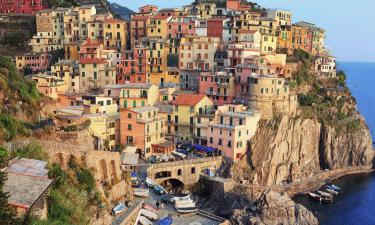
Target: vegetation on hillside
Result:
[17, 96]
[62, 3]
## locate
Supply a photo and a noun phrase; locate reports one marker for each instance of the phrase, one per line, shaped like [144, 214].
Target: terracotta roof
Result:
[188, 99]
[92, 61]
[92, 43]
[113, 21]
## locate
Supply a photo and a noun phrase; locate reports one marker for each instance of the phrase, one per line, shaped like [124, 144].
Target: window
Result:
[179, 172]
[220, 142]
[95, 75]
[239, 133]
[129, 127]
[229, 144]
[193, 170]
[83, 74]
[211, 140]
[129, 115]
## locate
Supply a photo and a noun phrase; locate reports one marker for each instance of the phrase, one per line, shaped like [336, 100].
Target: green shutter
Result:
[143, 103]
[125, 104]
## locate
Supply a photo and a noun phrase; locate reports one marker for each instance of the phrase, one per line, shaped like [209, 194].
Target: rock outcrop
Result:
[293, 149]
[272, 208]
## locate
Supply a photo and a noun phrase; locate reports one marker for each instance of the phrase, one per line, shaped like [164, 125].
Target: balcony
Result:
[148, 120]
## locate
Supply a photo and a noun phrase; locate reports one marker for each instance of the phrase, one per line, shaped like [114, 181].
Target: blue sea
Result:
[356, 203]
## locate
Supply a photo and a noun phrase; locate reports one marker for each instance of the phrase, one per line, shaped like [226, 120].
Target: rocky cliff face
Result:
[290, 149]
[272, 208]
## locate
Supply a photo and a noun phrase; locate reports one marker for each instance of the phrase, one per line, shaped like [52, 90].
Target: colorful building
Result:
[141, 127]
[114, 34]
[95, 74]
[22, 6]
[36, 62]
[67, 71]
[231, 130]
[218, 86]
[135, 95]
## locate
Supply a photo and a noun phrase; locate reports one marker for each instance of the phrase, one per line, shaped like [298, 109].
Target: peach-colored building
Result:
[37, 62]
[219, 87]
[181, 26]
[141, 127]
[232, 129]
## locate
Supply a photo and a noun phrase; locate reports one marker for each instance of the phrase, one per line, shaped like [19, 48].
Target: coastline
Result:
[315, 182]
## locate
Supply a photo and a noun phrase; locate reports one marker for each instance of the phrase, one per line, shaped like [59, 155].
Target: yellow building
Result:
[157, 63]
[268, 44]
[157, 27]
[187, 107]
[95, 74]
[134, 95]
[98, 104]
[207, 10]
[67, 72]
[114, 34]
[72, 50]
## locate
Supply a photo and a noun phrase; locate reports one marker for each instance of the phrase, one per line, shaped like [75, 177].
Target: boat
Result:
[150, 207]
[150, 183]
[148, 214]
[141, 192]
[324, 194]
[332, 191]
[185, 205]
[183, 209]
[159, 189]
[315, 196]
[333, 187]
[119, 208]
[180, 198]
[144, 221]
[183, 202]
[166, 221]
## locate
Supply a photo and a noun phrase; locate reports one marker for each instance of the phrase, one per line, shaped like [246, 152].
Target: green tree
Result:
[7, 213]
[342, 77]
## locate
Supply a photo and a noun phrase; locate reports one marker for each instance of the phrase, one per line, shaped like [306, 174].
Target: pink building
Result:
[244, 71]
[181, 26]
[36, 62]
[125, 70]
[219, 87]
[231, 130]
[22, 6]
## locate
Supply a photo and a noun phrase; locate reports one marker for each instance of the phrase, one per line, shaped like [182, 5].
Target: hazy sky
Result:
[350, 24]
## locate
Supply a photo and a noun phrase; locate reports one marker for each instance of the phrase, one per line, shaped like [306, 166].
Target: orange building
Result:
[141, 127]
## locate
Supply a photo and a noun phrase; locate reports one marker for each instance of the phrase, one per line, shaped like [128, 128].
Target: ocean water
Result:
[356, 203]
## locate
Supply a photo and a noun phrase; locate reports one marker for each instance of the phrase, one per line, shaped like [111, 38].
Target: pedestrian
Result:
[157, 204]
[162, 205]
[143, 182]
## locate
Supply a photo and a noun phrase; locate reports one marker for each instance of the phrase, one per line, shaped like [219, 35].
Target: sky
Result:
[350, 24]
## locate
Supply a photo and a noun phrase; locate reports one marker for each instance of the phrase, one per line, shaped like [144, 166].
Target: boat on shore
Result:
[333, 187]
[141, 192]
[184, 209]
[325, 194]
[119, 208]
[144, 221]
[150, 183]
[315, 196]
[332, 191]
[150, 207]
[159, 189]
[182, 202]
[148, 214]
[180, 198]
[166, 221]
[185, 205]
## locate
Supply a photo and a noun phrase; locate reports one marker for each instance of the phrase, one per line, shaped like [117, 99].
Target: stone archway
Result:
[103, 170]
[173, 185]
[72, 161]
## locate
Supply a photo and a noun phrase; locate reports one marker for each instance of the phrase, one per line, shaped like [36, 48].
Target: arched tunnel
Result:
[173, 186]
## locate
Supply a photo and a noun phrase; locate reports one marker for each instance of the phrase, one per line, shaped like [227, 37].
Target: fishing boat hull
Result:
[150, 207]
[183, 198]
[186, 205]
[140, 192]
[333, 187]
[148, 214]
[332, 191]
[186, 209]
[119, 208]
[315, 196]
[182, 202]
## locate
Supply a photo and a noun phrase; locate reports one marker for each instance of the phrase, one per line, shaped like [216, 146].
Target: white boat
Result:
[181, 202]
[324, 194]
[148, 214]
[144, 221]
[149, 182]
[315, 196]
[332, 191]
[186, 209]
[185, 205]
[176, 198]
[141, 192]
[119, 208]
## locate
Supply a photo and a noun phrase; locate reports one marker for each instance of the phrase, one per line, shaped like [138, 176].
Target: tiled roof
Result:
[92, 61]
[113, 21]
[30, 167]
[188, 99]
[24, 190]
[92, 43]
